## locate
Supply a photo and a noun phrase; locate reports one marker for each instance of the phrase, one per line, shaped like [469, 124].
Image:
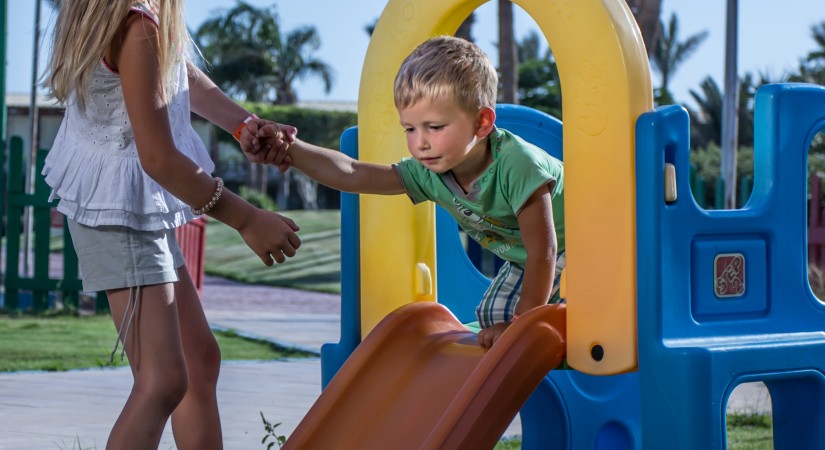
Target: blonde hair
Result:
[447, 66]
[85, 30]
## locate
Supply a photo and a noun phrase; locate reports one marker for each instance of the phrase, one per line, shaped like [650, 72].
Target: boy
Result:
[502, 191]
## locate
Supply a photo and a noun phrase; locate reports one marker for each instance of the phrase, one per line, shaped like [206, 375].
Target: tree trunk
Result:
[282, 198]
[307, 190]
[507, 53]
[730, 105]
[647, 14]
[263, 177]
[465, 30]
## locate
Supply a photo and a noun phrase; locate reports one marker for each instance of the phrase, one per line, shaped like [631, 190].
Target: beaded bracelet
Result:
[237, 133]
[212, 201]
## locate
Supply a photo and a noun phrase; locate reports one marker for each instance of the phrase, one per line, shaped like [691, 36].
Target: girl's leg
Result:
[153, 344]
[195, 422]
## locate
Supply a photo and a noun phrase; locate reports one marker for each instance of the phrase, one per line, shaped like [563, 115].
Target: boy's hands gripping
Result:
[488, 336]
[267, 142]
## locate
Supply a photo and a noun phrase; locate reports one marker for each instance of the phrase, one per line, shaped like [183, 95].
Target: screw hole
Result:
[597, 352]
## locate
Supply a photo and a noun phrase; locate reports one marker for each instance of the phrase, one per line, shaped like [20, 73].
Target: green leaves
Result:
[249, 57]
[271, 433]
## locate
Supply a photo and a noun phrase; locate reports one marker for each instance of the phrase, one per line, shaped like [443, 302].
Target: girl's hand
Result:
[272, 136]
[270, 236]
[488, 336]
[266, 142]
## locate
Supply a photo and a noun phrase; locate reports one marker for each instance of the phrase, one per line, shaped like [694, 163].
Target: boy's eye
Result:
[408, 130]
[436, 127]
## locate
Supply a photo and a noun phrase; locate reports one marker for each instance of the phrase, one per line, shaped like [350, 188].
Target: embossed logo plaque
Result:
[729, 275]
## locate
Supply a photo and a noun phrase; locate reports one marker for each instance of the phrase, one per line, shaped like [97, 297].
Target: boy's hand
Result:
[277, 138]
[488, 336]
[264, 141]
[270, 236]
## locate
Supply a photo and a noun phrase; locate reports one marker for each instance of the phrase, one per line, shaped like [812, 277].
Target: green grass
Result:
[749, 432]
[64, 342]
[509, 444]
[316, 267]
[745, 432]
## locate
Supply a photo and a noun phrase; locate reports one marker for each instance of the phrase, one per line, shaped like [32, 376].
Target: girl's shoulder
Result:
[146, 8]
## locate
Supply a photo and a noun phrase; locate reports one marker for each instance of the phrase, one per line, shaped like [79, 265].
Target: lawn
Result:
[316, 267]
[67, 342]
[63, 342]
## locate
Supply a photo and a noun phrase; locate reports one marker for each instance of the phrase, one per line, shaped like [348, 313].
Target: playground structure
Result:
[723, 296]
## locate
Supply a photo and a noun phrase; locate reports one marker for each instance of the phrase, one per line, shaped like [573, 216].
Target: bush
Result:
[257, 198]
[322, 128]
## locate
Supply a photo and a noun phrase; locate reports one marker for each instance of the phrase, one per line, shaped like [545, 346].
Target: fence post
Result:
[745, 189]
[41, 217]
[719, 194]
[14, 209]
[697, 187]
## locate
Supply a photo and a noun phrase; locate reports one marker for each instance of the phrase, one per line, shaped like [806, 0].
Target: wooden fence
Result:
[43, 286]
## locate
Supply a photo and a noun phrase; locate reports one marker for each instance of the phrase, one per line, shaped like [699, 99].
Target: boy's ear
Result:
[485, 122]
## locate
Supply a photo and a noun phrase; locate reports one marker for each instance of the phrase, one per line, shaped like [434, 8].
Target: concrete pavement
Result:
[76, 409]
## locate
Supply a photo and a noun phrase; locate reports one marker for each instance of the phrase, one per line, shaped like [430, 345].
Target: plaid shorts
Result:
[500, 300]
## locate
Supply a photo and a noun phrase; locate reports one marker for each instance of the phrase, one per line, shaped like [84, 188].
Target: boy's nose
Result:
[421, 142]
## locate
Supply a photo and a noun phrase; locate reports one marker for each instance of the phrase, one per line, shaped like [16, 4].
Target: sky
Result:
[770, 41]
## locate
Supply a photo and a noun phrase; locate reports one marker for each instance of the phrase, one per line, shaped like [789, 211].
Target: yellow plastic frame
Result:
[605, 87]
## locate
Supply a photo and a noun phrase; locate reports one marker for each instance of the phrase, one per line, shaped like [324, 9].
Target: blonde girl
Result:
[128, 168]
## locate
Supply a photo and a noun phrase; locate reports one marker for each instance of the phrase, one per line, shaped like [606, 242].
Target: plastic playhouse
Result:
[669, 306]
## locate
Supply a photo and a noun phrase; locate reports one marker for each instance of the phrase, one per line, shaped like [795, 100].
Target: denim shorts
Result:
[115, 257]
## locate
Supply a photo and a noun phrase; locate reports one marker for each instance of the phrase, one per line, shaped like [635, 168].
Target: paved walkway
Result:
[75, 410]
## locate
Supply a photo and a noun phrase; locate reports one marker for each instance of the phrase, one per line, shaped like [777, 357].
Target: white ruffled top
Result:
[93, 166]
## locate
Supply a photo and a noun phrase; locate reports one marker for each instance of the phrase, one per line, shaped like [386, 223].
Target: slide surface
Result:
[420, 380]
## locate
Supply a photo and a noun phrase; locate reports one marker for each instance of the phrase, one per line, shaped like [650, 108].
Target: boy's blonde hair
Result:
[447, 66]
[85, 30]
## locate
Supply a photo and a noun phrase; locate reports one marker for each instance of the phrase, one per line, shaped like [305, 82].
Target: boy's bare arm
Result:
[539, 235]
[536, 224]
[338, 171]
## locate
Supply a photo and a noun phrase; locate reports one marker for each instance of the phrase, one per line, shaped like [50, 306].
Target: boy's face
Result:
[439, 133]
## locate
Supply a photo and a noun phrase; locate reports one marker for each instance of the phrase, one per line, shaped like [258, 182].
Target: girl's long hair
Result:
[85, 30]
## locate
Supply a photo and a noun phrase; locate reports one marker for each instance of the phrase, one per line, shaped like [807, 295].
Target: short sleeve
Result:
[144, 10]
[527, 169]
[415, 178]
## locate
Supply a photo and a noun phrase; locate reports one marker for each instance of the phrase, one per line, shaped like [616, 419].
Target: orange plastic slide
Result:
[421, 381]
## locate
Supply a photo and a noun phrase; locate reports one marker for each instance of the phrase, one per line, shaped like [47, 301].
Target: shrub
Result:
[257, 198]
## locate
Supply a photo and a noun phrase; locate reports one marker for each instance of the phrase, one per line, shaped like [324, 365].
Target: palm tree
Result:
[670, 54]
[812, 68]
[251, 59]
[295, 61]
[465, 30]
[507, 53]
[818, 32]
[706, 123]
[538, 76]
[647, 14]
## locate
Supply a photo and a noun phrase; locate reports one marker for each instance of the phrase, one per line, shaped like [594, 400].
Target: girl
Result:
[128, 168]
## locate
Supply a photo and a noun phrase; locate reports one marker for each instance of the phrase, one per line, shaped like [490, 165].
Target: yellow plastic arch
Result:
[605, 86]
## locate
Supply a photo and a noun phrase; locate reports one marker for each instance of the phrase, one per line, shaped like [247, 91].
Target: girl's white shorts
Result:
[115, 257]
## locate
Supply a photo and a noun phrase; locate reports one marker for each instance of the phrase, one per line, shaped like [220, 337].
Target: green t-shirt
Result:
[488, 213]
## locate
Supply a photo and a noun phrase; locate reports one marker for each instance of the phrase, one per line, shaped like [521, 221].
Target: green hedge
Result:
[322, 128]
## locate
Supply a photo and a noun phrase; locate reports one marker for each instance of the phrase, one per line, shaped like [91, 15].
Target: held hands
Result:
[264, 141]
[271, 236]
[488, 336]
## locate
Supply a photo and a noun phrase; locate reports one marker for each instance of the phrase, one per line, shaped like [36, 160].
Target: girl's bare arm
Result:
[268, 234]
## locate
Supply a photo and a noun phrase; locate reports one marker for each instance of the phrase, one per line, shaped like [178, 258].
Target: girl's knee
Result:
[166, 390]
[205, 364]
